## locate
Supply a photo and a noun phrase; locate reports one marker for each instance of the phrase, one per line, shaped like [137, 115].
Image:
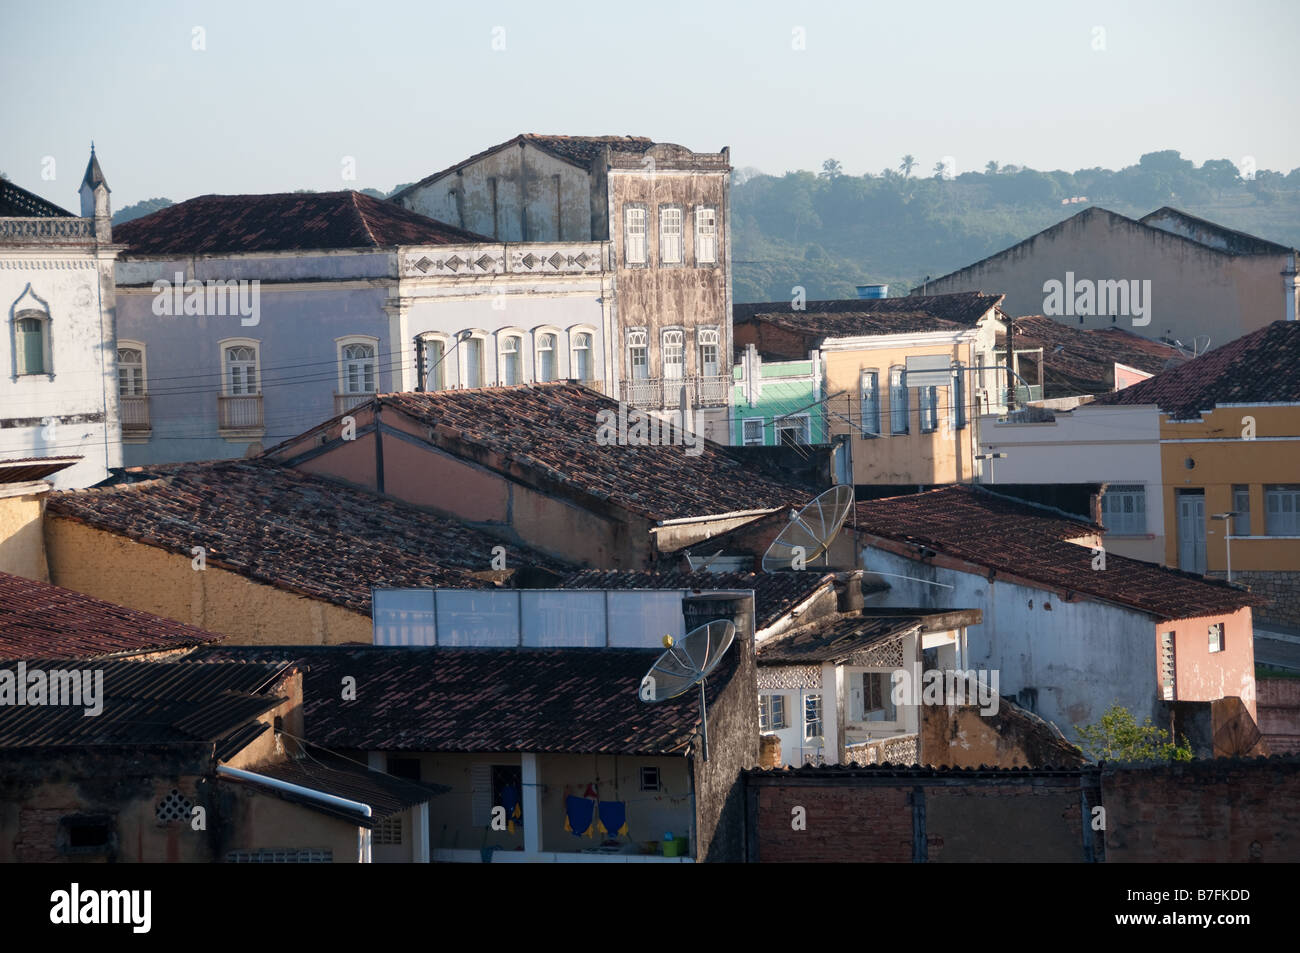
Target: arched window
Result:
[474, 368]
[638, 356]
[546, 365]
[510, 360]
[29, 330]
[130, 371]
[359, 368]
[240, 371]
[581, 362]
[674, 354]
[432, 351]
[707, 339]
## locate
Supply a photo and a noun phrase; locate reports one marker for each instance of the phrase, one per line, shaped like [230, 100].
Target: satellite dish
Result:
[688, 663]
[810, 531]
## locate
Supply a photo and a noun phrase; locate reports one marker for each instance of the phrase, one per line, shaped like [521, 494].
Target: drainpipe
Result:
[362, 809]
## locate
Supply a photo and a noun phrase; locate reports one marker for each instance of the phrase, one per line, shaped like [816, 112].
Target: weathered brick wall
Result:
[1282, 589]
[1278, 704]
[1036, 821]
[1204, 811]
[854, 824]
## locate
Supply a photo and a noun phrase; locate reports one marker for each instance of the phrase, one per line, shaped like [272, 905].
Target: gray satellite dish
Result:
[688, 663]
[810, 531]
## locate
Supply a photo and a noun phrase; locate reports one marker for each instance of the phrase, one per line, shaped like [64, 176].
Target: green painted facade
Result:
[786, 387]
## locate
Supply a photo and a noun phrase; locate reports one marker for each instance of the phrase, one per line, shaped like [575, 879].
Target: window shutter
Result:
[480, 776]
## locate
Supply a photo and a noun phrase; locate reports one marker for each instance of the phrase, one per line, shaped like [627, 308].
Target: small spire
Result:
[94, 176]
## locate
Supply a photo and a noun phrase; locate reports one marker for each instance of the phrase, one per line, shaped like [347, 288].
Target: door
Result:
[1191, 530]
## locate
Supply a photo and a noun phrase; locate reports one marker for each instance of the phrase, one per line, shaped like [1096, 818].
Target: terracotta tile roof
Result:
[17, 202]
[1260, 368]
[550, 431]
[385, 794]
[286, 221]
[149, 704]
[775, 594]
[291, 530]
[973, 525]
[576, 701]
[578, 150]
[852, 317]
[38, 620]
[1085, 363]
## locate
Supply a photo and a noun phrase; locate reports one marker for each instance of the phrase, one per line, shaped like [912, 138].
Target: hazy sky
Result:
[284, 91]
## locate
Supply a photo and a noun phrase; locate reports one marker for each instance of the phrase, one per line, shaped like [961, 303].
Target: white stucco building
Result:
[58, 374]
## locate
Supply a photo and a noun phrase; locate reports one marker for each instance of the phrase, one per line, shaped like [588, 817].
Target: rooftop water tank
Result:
[873, 291]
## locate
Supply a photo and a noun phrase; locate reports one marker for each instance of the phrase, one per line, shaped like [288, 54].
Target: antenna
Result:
[811, 531]
[688, 663]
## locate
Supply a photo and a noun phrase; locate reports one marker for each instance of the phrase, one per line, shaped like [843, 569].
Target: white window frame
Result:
[463, 363]
[505, 337]
[635, 234]
[900, 403]
[42, 319]
[364, 340]
[709, 338]
[857, 708]
[143, 389]
[1120, 518]
[540, 335]
[575, 334]
[1215, 642]
[745, 432]
[706, 235]
[227, 381]
[790, 423]
[869, 397]
[638, 339]
[672, 228]
[1278, 519]
[440, 371]
[674, 338]
[929, 406]
[767, 720]
[814, 727]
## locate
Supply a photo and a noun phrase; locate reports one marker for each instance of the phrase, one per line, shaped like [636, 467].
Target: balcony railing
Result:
[643, 392]
[713, 390]
[345, 402]
[240, 413]
[134, 412]
[666, 392]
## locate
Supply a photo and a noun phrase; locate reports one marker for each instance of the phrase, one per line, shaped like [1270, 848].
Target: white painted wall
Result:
[1087, 445]
[72, 409]
[1081, 656]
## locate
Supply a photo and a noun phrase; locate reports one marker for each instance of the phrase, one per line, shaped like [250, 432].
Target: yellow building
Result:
[1230, 463]
[903, 378]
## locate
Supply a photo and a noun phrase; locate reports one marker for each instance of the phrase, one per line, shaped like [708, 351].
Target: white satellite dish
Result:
[688, 663]
[810, 531]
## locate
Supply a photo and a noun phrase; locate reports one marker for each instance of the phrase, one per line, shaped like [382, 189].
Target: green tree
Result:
[907, 165]
[991, 167]
[939, 170]
[831, 169]
[1118, 737]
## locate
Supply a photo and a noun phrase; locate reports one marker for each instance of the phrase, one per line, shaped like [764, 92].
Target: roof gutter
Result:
[320, 796]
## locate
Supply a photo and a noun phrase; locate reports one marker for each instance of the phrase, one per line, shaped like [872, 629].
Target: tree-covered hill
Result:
[828, 232]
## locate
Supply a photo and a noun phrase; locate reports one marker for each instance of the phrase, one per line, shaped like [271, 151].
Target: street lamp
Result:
[1227, 535]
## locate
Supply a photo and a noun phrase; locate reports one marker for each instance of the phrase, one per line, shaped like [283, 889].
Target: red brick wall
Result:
[1203, 812]
[844, 823]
